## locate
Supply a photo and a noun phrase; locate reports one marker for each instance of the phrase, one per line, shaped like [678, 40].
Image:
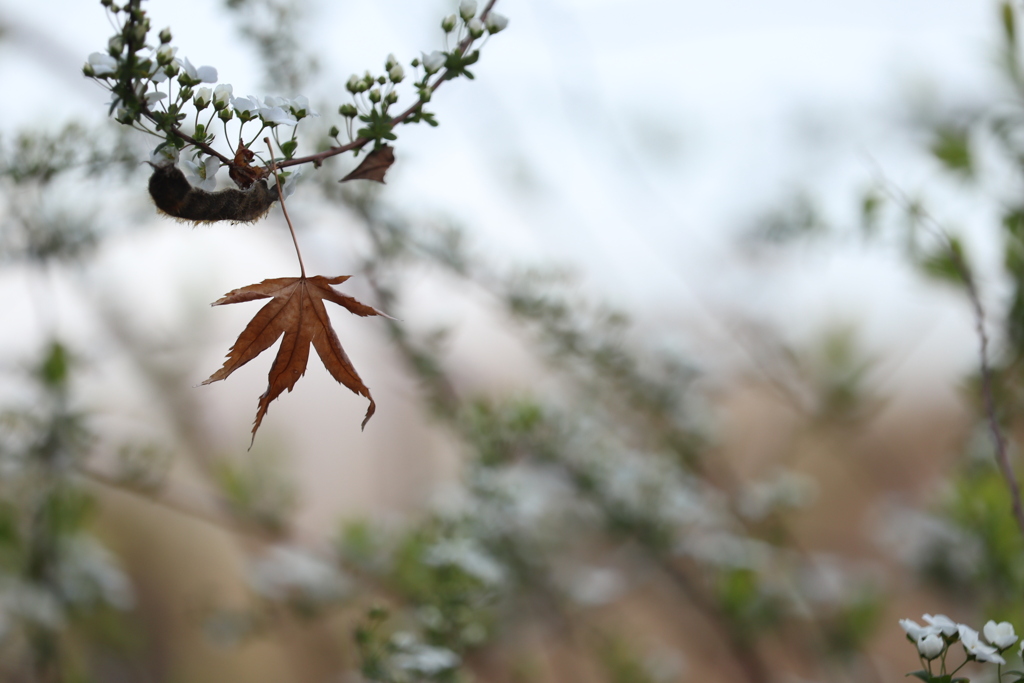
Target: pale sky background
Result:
[631, 141]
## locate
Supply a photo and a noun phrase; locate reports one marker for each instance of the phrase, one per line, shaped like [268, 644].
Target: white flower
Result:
[396, 74]
[434, 61]
[299, 106]
[203, 97]
[915, 630]
[204, 175]
[102, 64]
[250, 104]
[930, 646]
[158, 75]
[1000, 635]
[165, 55]
[467, 555]
[164, 155]
[154, 97]
[943, 623]
[205, 74]
[289, 183]
[496, 22]
[423, 659]
[285, 571]
[467, 9]
[277, 116]
[476, 27]
[222, 95]
[975, 648]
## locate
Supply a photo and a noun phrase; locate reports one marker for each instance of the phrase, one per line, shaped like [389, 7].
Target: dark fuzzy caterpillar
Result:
[173, 195]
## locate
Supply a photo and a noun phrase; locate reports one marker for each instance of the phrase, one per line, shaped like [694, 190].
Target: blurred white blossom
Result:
[1000, 635]
[467, 555]
[285, 571]
[102, 64]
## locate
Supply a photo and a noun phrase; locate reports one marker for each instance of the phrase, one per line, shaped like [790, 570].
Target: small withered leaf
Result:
[296, 310]
[374, 166]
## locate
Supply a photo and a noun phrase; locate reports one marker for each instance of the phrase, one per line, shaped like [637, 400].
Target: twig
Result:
[988, 395]
[358, 143]
[287, 218]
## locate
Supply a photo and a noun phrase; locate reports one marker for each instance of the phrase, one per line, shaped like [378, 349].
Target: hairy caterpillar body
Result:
[172, 194]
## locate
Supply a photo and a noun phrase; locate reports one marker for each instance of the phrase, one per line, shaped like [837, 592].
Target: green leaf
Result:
[922, 674]
[947, 263]
[288, 148]
[952, 147]
[1009, 23]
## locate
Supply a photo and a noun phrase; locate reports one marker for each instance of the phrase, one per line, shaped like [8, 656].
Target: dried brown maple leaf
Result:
[374, 166]
[297, 311]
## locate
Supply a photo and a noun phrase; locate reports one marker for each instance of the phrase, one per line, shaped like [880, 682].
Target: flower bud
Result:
[202, 98]
[165, 55]
[222, 95]
[382, 80]
[448, 23]
[226, 114]
[101, 64]
[333, 132]
[348, 111]
[354, 82]
[391, 97]
[115, 46]
[185, 93]
[476, 27]
[496, 22]
[930, 646]
[165, 36]
[374, 95]
[433, 62]
[396, 74]
[390, 63]
[467, 9]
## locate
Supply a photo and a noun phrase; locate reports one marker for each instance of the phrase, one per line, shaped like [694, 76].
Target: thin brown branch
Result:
[284, 208]
[978, 310]
[191, 140]
[358, 143]
[988, 393]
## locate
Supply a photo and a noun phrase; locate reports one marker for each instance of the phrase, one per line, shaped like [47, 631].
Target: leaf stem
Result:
[287, 218]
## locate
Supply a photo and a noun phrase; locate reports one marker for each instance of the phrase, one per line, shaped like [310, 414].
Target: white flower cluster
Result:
[933, 640]
[419, 658]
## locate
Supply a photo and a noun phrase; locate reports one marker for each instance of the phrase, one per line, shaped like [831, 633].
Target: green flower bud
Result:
[374, 95]
[448, 23]
[476, 27]
[115, 46]
[165, 36]
[333, 132]
[348, 111]
[392, 97]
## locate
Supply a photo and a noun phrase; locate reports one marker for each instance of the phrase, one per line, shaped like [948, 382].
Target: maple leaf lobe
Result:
[296, 310]
[374, 166]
